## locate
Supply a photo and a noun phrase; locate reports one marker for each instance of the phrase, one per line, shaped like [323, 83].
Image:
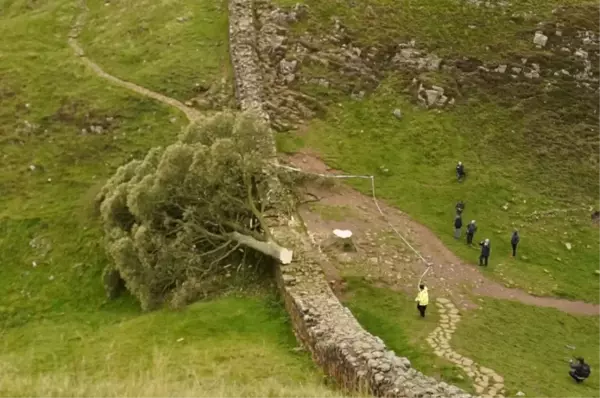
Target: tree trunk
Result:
[269, 248]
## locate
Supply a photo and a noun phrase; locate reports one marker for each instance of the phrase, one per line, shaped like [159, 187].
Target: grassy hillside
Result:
[63, 131]
[524, 344]
[517, 340]
[176, 47]
[235, 346]
[529, 145]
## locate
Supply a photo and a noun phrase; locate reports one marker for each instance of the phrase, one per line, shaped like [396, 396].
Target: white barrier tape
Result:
[372, 178]
[323, 175]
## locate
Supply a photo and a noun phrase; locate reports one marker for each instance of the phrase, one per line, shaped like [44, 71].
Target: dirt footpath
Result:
[383, 257]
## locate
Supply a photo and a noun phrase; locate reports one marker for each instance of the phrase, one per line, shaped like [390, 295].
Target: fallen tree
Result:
[187, 212]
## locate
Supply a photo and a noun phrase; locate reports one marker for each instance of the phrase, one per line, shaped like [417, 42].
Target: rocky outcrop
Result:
[356, 359]
[330, 60]
[330, 63]
[570, 56]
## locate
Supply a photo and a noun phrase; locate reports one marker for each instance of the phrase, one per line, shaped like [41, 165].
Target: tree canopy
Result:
[186, 212]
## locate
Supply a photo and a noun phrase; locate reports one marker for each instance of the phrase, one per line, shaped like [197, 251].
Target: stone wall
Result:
[356, 359]
[246, 66]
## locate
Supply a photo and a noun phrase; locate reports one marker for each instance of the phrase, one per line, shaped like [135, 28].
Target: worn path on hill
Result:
[190, 113]
[449, 273]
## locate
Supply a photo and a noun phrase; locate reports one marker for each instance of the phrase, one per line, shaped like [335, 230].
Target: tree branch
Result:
[253, 208]
[270, 248]
[216, 249]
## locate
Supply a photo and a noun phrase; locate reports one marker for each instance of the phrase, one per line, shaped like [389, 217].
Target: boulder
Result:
[433, 62]
[540, 39]
[287, 67]
[432, 96]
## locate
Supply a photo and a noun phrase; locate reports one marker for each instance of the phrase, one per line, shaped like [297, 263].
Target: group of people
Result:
[484, 244]
[472, 226]
[579, 369]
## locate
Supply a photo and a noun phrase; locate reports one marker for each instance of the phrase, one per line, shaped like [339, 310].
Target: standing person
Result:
[579, 370]
[514, 241]
[460, 207]
[422, 300]
[460, 171]
[485, 252]
[471, 229]
[457, 226]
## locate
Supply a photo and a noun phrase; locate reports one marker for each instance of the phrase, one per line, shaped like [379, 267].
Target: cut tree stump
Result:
[344, 239]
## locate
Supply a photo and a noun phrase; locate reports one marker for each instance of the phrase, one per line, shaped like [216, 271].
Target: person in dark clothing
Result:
[514, 241]
[579, 370]
[460, 207]
[485, 252]
[460, 171]
[471, 229]
[457, 226]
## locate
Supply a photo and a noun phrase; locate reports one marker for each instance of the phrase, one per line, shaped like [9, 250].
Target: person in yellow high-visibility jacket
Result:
[422, 300]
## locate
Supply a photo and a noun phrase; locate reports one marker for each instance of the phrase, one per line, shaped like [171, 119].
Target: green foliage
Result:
[169, 218]
[60, 337]
[112, 281]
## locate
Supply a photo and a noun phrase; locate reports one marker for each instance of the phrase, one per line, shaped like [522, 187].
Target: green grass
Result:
[45, 85]
[524, 145]
[148, 43]
[449, 27]
[527, 346]
[420, 153]
[60, 336]
[524, 344]
[393, 318]
[234, 346]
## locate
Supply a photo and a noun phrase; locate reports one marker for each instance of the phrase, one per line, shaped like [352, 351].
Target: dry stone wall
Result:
[356, 359]
[246, 67]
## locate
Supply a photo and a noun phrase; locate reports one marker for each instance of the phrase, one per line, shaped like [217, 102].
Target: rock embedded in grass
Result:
[540, 39]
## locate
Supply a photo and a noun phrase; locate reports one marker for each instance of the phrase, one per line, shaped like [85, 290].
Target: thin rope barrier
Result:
[372, 178]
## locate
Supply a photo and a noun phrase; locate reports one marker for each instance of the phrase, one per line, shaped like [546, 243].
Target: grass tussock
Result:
[233, 346]
[153, 383]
